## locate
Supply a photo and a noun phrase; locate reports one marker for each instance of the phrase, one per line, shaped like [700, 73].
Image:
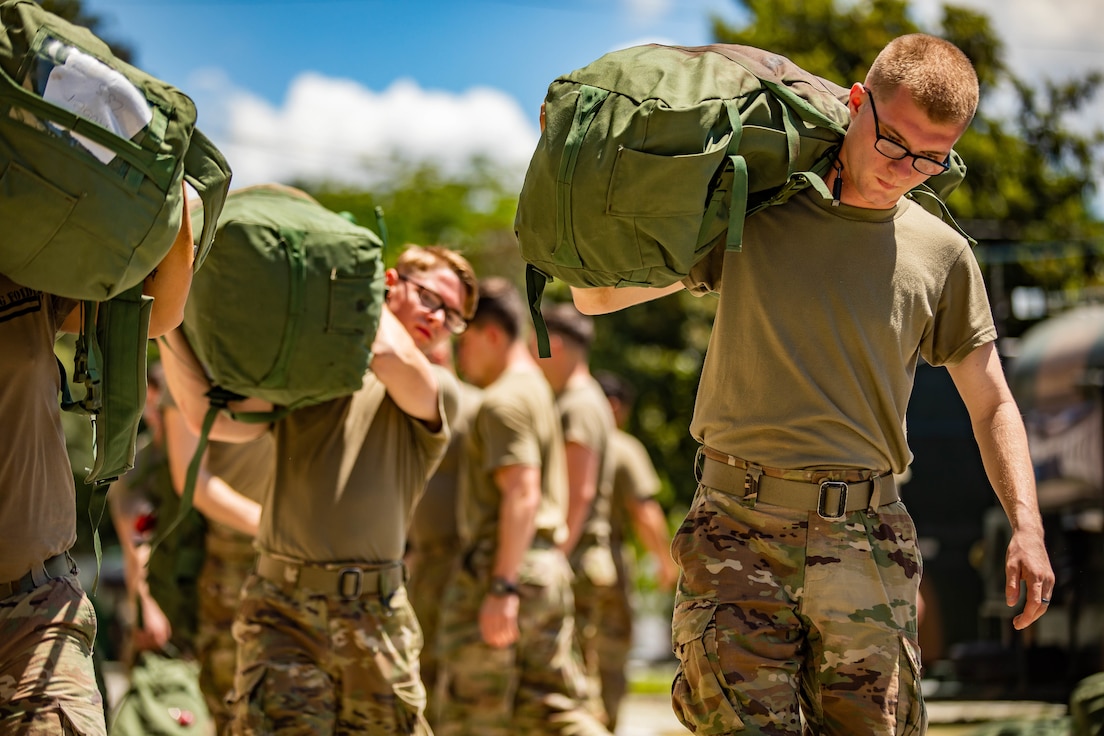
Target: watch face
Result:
[500, 587]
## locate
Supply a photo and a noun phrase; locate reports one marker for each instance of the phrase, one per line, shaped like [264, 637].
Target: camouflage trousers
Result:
[782, 615]
[316, 665]
[431, 568]
[536, 686]
[227, 564]
[47, 681]
[611, 645]
[593, 603]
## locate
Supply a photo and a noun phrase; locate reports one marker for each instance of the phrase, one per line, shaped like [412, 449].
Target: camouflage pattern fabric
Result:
[781, 614]
[227, 564]
[317, 665]
[534, 687]
[594, 594]
[612, 643]
[431, 568]
[47, 682]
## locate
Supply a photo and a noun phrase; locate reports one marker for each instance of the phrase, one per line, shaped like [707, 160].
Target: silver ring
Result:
[1045, 601]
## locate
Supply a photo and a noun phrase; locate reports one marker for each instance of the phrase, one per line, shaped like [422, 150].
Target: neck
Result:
[837, 184]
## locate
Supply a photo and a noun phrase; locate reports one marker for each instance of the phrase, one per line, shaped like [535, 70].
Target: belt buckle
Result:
[358, 583]
[822, 501]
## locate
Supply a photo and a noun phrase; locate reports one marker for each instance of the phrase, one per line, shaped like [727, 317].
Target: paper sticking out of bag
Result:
[86, 86]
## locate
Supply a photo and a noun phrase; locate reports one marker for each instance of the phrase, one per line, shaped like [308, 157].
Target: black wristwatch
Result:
[501, 587]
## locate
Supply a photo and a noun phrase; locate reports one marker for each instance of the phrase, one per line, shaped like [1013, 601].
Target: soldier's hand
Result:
[498, 620]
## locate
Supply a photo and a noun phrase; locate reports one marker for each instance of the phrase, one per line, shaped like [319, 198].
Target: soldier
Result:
[433, 546]
[506, 644]
[800, 568]
[327, 640]
[233, 481]
[587, 423]
[47, 624]
[204, 581]
[633, 503]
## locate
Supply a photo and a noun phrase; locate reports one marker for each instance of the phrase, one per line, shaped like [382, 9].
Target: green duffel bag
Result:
[651, 154]
[92, 155]
[287, 305]
[285, 309]
[162, 699]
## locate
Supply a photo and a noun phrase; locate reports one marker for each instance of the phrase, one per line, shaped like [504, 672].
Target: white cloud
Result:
[645, 11]
[337, 130]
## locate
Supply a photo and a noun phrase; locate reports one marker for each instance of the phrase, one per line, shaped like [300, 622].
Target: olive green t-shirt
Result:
[634, 479]
[588, 421]
[517, 424]
[348, 473]
[435, 515]
[38, 514]
[821, 320]
[247, 467]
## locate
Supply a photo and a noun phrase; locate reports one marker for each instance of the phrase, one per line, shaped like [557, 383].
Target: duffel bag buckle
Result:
[826, 487]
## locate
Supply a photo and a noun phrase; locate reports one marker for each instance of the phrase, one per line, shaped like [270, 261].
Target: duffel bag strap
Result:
[206, 170]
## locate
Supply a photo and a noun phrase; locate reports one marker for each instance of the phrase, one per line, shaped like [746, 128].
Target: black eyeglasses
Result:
[433, 301]
[894, 150]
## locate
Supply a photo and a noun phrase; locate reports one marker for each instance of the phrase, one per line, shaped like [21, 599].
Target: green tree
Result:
[472, 212]
[75, 12]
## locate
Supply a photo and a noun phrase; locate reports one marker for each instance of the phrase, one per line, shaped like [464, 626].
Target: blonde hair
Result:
[940, 78]
[426, 258]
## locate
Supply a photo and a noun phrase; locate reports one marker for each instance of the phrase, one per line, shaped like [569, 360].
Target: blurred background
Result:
[429, 109]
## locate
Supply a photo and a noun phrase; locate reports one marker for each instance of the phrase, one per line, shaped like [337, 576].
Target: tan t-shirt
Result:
[435, 515]
[348, 473]
[247, 467]
[517, 424]
[38, 515]
[822, 318]
[634, 479]
[588, 421]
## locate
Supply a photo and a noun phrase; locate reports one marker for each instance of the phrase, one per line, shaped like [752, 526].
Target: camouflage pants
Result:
[430, 572]
[536, 686]
[227, 564]
[612, 643]
[47, 682]
[316, 665]
[593, 605]
[781, 614]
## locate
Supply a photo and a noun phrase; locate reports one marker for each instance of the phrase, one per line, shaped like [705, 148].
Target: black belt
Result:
[348, 582]
[56, 567]
[832, 499]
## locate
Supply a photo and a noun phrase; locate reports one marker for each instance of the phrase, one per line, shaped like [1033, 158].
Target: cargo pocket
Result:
[699, 694]
[665, 197]
[33, 211]
[355, 304]
[246, 701]
[912, 716]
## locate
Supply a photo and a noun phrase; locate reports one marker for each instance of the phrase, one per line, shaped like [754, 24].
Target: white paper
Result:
[86, 86]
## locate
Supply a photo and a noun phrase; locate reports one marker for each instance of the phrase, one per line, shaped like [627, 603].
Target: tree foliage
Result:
[76, 13]
[472, 212]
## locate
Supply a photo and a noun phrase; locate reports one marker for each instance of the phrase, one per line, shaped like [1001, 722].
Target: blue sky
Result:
[333, 88]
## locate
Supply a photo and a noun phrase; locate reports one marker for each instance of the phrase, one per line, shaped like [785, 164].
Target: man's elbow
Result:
[164, 321]
[592, 300]
[167, 312]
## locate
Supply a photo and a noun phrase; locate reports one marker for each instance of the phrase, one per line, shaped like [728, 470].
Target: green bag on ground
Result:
[1087, 706]
[92, 155]
[163, 699]
[651, 154]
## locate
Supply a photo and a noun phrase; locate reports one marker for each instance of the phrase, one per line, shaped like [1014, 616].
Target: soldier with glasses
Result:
[800, 568]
